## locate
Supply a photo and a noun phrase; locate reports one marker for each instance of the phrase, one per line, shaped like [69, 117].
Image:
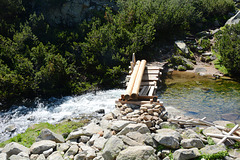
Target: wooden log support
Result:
[138, 80]
[222, 136]
[132, 81]
[228, 134]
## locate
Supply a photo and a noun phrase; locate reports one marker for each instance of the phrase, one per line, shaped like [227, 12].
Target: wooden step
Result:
[144, 91]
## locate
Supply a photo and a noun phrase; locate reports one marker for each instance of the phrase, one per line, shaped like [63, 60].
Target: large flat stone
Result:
[41, 146]
[185, 154]
[47, 134]
[14, 148]
[119, 125]
[139, 127]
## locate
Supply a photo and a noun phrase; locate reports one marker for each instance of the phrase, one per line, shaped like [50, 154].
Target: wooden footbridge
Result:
[142, 83]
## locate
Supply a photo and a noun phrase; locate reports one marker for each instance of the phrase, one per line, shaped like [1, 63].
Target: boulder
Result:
[75, 134]
[17, 157]
[84, 139]
[47, 134]
[48, 152]
[139, 127]
[41, 146]
[185, 154]
[10, 128]
[168, 138]
[55, 156]
[34, 156]
[100, 142]
[80, 156]
[93, 138]
[3, 156]
[182, 46]
[91, 129]
[141, 138]
[62, 147]
[73, 150]
[192, 143]
[137, 152]
[119, 125]
[213, 149]
[41, 157]
[235, 153]
[129, 141]
[234, 20]
[88, 151]
[23, 154]
[212, 130]
[14, 148]
[111, 150]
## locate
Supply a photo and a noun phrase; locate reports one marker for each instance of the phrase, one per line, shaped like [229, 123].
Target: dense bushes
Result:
[37, 59]
[228, 46]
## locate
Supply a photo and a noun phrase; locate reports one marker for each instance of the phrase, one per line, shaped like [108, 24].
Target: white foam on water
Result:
[55, 110]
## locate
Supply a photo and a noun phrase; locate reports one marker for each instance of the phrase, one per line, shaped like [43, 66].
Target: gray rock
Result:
[55, 156]
[62, 147]
[192, 143]
[41, 146]
[1, 150]
[41, 157]
[92, 128]
[129, 141]
[119, 125]
[84, 139]
[105, 124]
[17, 157]
[108, 116]
[141, 138]
[34, 156]
[116, 113]
[75, 134]
[212, 130]
[200, 70]
[223, 123]
[48, 152]
[137, 152]
[235, 153]
[111, 150]
[168, 138]
[98, 158]
[89, 151]
[100, 142]
[107, 133]
[3, 156]
[184, 154]
[80, 157]
[73, 150]
[182, 46]
[169, 125]
[234, 20]
[140, 127]
[23, 154]
[14, 148]
[213, 149]
[93, 138]
[47, 134]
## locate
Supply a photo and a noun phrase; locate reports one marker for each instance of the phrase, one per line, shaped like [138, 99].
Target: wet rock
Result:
[41, 146]
[71, 151]
[14, 148]
[100, 111]
[182, 46]
[185, 154]
[55, 156]
[137, 152]
[168, 138]
[10, 128]
[119, 125]
[41, 157]
[192, 143]
[213, 149]
[111, 150]
[234, 20]
[3, 156]
[17, 157]
[47, 134]
[142, 128]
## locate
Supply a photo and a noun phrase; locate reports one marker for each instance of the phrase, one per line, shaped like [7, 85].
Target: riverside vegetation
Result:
[39, 59]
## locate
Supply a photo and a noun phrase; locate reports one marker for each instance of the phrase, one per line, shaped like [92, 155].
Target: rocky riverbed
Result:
[128, 132]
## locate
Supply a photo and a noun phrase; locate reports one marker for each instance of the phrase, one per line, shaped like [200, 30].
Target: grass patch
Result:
[210, 141]
[219, 155]
[230, 125]
[29, 136]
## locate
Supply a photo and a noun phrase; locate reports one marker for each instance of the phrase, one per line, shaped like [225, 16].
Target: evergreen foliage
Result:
[37, 59]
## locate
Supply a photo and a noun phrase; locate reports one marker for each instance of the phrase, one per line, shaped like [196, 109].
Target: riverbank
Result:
[129, 132]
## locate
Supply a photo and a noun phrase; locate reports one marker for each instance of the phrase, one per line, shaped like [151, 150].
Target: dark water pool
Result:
[202, 96]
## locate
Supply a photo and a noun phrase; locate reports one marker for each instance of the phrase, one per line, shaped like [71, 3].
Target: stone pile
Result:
[124, 134]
